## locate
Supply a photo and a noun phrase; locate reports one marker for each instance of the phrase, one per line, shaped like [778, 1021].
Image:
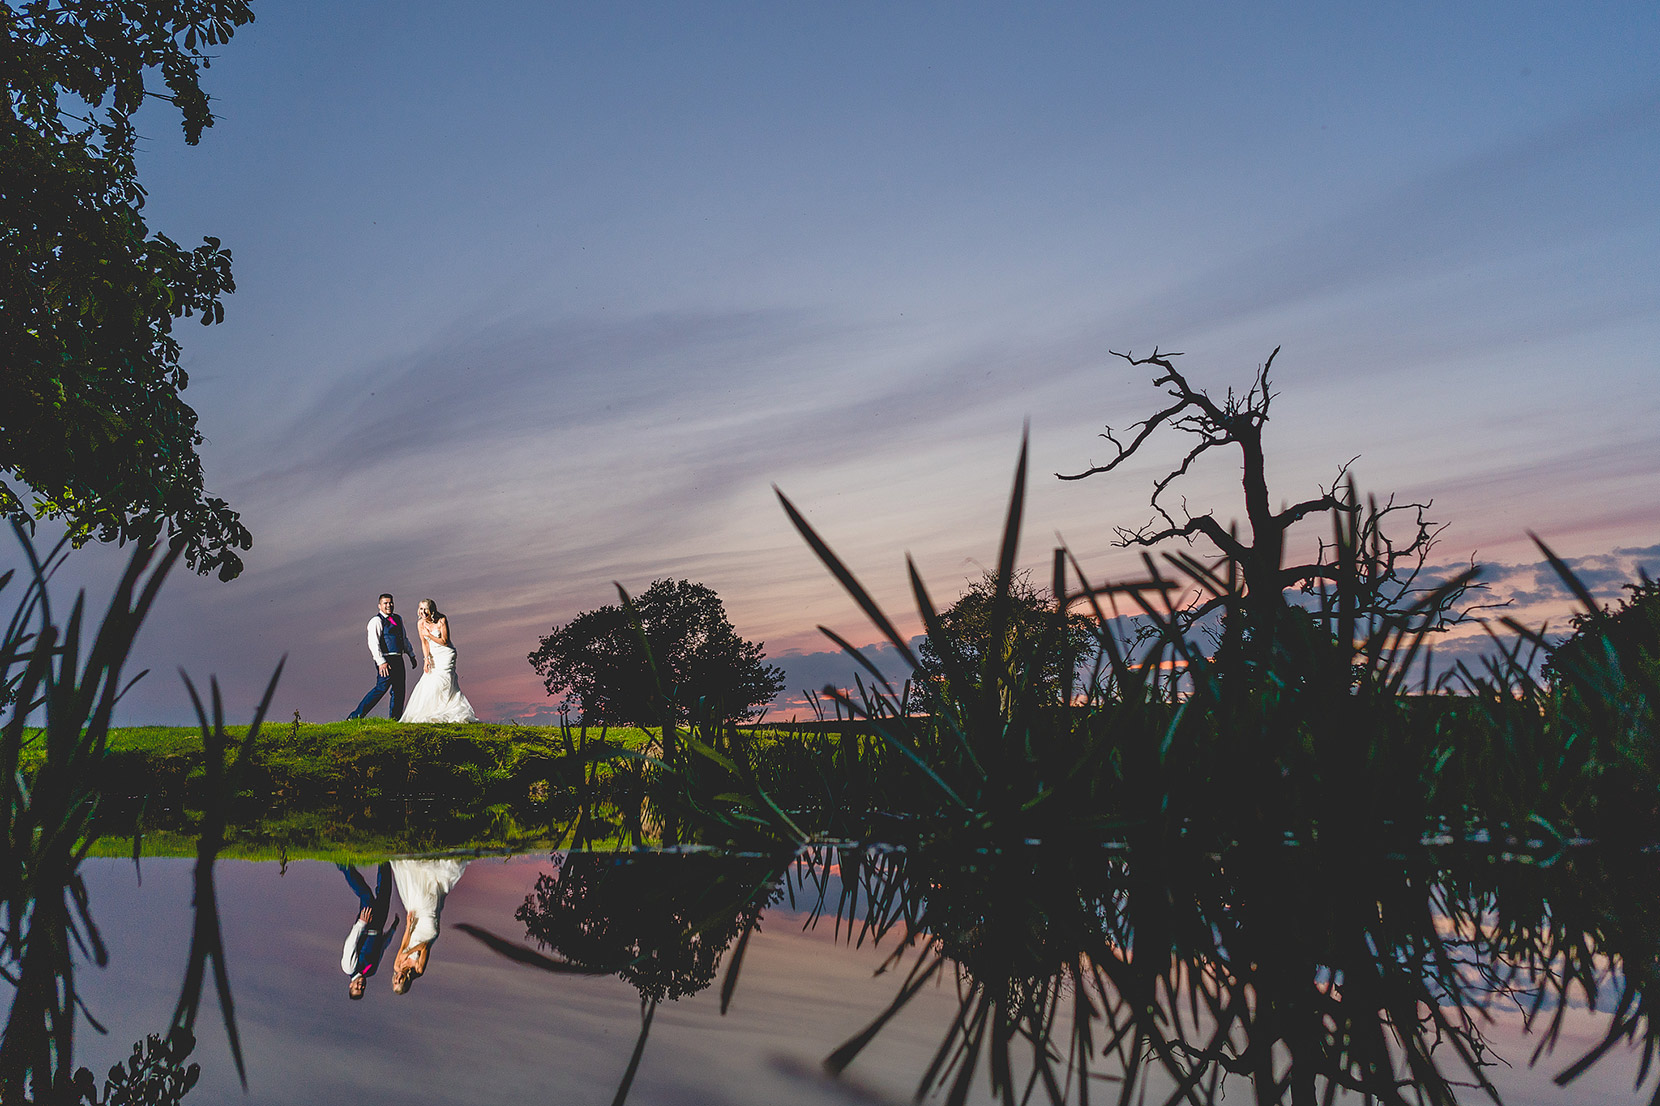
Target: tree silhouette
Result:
[1046, 644]
[1626, 636]
[695, 658]
[93, 422]
[1381, 580]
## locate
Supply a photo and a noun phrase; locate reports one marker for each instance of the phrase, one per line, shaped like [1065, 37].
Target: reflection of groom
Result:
[370, 935]
[387, 645]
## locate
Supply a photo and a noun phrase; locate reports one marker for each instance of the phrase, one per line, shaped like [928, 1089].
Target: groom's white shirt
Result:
[374, 644]
[348, 955]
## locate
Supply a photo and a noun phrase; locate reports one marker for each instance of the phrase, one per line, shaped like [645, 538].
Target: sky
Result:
[537, 299]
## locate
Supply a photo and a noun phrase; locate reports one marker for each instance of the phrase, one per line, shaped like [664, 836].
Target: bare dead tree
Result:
[1381, 576]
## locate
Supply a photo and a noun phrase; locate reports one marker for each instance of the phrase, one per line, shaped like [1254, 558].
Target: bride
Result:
[436, 698]
[423, 885]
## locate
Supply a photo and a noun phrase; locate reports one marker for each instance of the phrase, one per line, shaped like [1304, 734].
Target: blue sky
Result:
[534, 298]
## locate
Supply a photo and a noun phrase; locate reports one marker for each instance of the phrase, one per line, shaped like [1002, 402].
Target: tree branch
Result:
[1202, 524]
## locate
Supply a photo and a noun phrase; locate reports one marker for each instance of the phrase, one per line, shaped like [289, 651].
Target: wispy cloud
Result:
[1536, 584]
[1591, 175]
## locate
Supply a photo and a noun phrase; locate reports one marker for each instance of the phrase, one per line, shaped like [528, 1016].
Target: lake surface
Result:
[480, 1027]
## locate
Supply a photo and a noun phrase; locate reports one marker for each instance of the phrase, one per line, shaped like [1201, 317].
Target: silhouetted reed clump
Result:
[1246, 835]
[61, 681]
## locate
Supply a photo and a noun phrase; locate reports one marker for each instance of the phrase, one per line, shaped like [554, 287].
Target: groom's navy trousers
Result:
[393, 680]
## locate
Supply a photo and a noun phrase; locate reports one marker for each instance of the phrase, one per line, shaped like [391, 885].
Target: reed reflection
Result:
[55, 708]
[1300, 970]
[1268, 972]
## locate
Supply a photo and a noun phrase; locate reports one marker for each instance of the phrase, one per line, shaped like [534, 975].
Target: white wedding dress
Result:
[423, 885]
[437, 697]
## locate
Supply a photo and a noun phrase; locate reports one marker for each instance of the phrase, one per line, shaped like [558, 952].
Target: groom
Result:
[370, 935]
[387, 645]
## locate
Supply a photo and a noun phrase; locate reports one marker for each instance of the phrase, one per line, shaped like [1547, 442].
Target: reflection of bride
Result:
[437, 697]
[422, 885]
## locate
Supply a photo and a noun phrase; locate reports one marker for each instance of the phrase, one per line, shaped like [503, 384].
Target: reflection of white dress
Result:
[423, 885]
[437, 697]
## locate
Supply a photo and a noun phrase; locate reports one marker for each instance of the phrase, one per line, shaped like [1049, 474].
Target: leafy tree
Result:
[1624, 637]
[1033, 634]
[93, 424]
[597, 658]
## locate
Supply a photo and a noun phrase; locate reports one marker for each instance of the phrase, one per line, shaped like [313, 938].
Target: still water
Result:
[478, 1026]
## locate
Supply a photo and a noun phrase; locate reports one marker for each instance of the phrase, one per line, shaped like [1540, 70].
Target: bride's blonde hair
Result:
[432, 609]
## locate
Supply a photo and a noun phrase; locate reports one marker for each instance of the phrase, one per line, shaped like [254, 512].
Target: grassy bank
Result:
[371, 758]
[345, 790]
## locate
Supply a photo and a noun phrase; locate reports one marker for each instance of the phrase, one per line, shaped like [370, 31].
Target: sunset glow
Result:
[533, 301]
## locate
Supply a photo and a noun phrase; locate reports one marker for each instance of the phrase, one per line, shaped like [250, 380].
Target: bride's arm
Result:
[411, 954]
[426, 653]
[441, 632]
[408, 928]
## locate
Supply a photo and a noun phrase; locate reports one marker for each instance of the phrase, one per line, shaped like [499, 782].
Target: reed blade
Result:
[847, 579]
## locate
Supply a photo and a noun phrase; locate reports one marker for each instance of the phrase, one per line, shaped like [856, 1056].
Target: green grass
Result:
[366, 788]
[336, 754]
[362, 790]
[165, 741]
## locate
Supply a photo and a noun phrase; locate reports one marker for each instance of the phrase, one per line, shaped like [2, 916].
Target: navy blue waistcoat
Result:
[391, 637]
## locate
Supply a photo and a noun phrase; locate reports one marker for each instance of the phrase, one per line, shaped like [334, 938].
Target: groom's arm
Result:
[348, 955]
[374, 642]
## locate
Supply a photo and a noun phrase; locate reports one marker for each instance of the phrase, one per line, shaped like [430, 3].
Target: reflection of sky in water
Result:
[478, 1028]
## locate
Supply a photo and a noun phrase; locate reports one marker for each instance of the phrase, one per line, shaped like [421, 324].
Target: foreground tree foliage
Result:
[674, 641]
[1627, 636]
[93, 424]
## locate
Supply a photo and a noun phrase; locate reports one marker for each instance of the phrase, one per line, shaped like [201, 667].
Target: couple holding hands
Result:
[437, 696]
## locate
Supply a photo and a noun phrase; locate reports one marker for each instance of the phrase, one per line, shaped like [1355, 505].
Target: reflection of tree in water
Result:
[154, 1075]
[1282, 972]
[661, 922]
